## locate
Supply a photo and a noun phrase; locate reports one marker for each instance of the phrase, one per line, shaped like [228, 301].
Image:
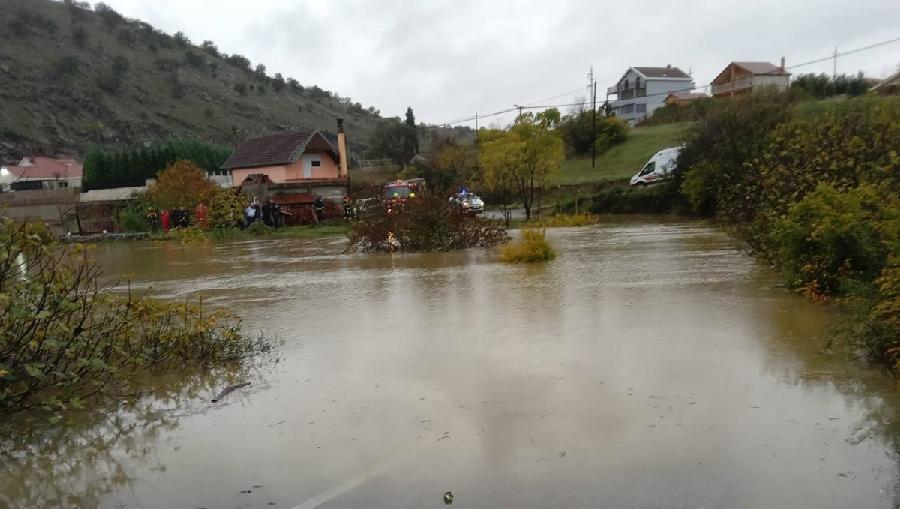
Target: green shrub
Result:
[65, 338]
[531, 248]
[731, 134]
[259, 228]
[622, 199]
[831, 239]
[133, 218]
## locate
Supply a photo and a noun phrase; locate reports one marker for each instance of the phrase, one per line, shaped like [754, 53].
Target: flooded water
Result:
[652, 364]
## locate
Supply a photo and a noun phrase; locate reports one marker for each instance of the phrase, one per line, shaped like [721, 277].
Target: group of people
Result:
[269, 213]
[180, 217]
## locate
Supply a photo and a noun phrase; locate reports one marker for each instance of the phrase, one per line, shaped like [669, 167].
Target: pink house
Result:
[290, 158]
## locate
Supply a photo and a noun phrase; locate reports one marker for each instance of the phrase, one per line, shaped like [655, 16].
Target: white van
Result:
[658, 168]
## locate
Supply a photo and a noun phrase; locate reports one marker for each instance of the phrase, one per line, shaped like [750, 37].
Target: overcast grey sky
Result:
[451, 58]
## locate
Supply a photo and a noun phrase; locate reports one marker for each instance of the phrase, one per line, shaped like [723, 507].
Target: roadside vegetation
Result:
[813, 187]
[66, 339]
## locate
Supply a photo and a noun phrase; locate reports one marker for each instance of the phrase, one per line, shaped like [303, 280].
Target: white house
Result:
[641, 90]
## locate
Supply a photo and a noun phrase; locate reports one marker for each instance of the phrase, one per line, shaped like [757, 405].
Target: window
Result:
[640, 108]
[648, 169]
[315, 163]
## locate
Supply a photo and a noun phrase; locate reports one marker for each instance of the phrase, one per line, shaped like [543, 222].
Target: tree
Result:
[412, 135]
[241, 89]
[450, 164]
[525, 155]
[278, 83]
[181, 185]
[182, 40]
[294, 84]
[110, 17]
[260, 71]
[391, 140]
[211, 48]
[239, 61]
[577, 130]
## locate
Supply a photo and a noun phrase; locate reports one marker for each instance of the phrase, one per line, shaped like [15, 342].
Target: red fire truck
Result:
[398, 193]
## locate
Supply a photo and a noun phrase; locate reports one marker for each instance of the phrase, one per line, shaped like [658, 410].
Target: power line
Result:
[532, 106]
[834, 55]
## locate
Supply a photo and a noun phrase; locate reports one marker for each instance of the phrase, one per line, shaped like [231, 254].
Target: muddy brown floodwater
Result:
[652, 364]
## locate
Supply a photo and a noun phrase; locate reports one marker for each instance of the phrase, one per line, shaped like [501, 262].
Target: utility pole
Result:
[476, 128]
[592, 83]
[834, 67]
[520, 108]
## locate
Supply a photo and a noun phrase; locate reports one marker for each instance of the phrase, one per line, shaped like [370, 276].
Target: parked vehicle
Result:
[467, 203]
[659, 168]
[398, 193]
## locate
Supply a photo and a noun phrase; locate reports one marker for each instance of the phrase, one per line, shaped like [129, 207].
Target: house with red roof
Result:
[745, 77]
[35, 173]
[293, 168]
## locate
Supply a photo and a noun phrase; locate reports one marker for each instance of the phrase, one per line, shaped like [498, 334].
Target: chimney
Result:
[342, 149]
[669, 66]
[782, 63]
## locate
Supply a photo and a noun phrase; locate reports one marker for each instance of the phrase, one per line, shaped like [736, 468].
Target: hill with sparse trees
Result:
[74, 76]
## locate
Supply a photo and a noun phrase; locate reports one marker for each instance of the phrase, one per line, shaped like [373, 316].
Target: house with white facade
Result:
[641, 90]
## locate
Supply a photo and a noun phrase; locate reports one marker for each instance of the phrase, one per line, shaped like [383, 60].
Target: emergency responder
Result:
[348, 207]
[319, 209]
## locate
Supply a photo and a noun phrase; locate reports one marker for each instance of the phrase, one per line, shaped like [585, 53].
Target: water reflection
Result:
[79, 458]
[652, 364]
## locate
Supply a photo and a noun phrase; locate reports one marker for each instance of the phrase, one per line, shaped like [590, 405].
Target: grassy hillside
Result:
[623, 160]
[72, 77]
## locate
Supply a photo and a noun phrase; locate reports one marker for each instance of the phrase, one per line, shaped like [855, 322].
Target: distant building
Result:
[34, 173]
[683, 98]
[293, 168]
[888, 86]
[287, 157]
[745, 77]
[641, 90]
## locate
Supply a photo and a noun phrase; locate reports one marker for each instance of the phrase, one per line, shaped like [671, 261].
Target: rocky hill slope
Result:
[72, 77]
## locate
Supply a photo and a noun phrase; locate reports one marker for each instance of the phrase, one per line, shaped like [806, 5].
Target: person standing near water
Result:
[319, 209]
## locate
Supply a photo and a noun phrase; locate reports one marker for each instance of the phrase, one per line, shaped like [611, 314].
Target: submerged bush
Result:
[65, 338]
[427, 223]
[532, 247]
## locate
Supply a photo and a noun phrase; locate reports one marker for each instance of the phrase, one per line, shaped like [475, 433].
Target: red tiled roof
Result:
[47, 168]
